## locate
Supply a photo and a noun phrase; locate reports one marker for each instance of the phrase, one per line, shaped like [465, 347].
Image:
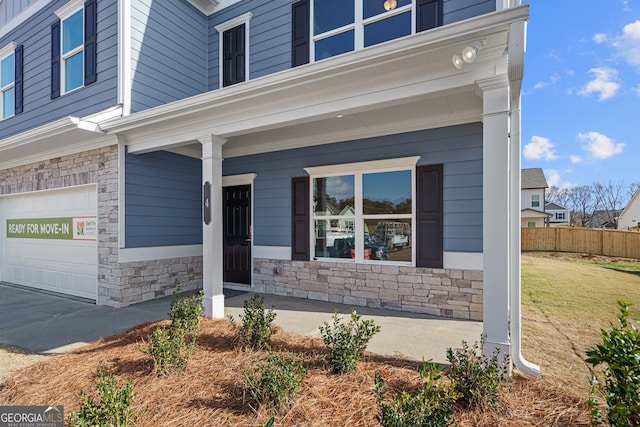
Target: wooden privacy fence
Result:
[595, 241]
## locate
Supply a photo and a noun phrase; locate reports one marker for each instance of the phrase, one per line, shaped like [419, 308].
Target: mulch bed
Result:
[211, 393]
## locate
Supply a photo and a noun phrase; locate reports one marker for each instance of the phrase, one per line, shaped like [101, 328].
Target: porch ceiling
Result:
[399, 86]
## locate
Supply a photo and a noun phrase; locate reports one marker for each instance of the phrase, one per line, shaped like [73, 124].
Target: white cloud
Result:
[575, 159]
[605, 83]
[600, 146]
[627, 44]
[600, 38]
[553, 177]
[540, 148]
[552, 80]
[637, 90]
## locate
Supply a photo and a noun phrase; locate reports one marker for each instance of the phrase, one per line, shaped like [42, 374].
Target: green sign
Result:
[40, 228]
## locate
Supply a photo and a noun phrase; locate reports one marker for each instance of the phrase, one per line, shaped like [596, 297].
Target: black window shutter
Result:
[233, 56]
[300, 33]
[428, 14]
[90, 51]
[429, 239]
[55, 60]
[300, 219]
[18, 82]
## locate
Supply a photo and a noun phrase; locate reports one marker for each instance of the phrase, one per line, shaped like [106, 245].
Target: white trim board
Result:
[23, 16]
[158, 252]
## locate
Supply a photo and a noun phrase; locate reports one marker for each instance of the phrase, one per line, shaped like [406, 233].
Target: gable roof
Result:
[533, 178]
[554, 207]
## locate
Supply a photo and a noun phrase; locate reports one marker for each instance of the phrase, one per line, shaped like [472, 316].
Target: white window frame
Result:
[534, 200]
[358, 170]
[63, 13]
[5, 53]
[358, 26]
[221, 28]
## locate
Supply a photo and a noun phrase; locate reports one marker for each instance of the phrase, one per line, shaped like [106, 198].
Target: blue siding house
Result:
[352, 151]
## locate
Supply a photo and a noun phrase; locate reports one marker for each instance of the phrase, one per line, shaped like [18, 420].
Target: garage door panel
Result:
[51, 262]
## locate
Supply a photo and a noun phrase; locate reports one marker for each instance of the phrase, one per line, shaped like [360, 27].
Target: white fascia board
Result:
[209, 7]
[299, 80]
[23, 16]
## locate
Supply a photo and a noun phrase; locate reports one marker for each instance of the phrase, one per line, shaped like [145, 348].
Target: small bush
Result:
[475, 376]
[431, 405]
[274, 384]
[347, 342]
[171, 347]
[186, 314]
[256, 329]
[113, 409]
[620, 352]
[170, 350]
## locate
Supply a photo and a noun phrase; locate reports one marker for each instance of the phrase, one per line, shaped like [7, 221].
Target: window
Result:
[7, 85]
[11, 59]
[73, 47]
[379, 211]
[560, 216]
[366, 215]
[535, 200]
[341, 26]
[531, 224]
[234, 50]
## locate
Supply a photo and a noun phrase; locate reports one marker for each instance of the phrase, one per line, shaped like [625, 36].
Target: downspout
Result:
[517, 42]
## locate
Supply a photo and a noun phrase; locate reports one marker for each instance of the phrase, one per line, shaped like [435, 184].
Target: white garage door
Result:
[49, 240]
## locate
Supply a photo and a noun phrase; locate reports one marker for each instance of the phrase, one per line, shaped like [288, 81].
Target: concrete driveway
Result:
[49, 324]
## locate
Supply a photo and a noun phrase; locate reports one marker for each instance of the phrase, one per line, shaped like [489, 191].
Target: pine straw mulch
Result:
[210, 392]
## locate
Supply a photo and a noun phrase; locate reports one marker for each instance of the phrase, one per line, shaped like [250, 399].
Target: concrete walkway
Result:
[49, 324]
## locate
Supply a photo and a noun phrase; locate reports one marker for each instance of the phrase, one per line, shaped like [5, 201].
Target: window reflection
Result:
[387, 29]
[387, 239]
[387, 193]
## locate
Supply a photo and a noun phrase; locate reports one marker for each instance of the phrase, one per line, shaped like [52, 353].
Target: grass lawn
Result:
[566, 300]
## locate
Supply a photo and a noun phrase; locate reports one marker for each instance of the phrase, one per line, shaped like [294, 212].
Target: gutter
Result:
[517, 42]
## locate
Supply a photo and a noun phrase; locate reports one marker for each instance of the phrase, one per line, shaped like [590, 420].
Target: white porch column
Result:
[213, 300]
[495, 207]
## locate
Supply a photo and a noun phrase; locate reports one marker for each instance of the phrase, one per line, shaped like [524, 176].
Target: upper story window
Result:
[560, 215]
[341, 26]
[73, 47]
[234, 50]
[10, 80]
[535, 200]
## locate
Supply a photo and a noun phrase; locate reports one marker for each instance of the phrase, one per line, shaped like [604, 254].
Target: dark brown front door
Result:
[237, 234]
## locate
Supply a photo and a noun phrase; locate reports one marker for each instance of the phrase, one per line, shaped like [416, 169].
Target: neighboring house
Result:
[629, 219]
[603, 218]
[533, 186]
[558, 214]
[150, 143]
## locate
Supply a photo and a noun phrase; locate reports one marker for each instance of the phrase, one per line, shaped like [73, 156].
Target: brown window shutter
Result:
[300, 219]
[429, 226]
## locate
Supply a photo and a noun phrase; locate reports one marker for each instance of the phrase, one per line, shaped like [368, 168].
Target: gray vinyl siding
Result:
[9, 9]
[169, 52]
[39, 108]
[162, 200]
[459, 148]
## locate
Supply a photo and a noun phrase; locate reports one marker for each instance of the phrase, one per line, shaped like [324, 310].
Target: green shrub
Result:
[186, 313]
[170, 349]
[620, 352]
[113, 409]
[274, 384]
[256, 329]
[431, 405]
[475, 376]
[347, 342]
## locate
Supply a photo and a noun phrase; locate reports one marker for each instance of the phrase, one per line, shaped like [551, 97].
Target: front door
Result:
[237, 233]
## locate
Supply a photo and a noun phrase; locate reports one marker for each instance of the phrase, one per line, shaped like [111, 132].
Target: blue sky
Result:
[581, 91]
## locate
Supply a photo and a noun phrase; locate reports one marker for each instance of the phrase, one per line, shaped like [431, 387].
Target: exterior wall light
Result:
[469, 54]
[390, 4]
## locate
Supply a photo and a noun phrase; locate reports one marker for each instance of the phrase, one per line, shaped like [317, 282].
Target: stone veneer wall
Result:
[118, 284]
[440, 292]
